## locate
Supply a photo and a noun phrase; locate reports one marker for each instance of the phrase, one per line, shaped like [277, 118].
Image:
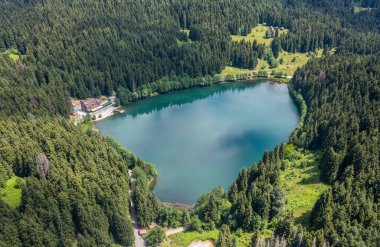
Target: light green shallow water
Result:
[202, 137]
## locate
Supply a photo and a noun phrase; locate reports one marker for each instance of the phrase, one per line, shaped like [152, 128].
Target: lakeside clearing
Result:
[257, 33]
[290, 63]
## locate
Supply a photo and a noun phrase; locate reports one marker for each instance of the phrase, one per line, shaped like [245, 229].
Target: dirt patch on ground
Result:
[198, 243]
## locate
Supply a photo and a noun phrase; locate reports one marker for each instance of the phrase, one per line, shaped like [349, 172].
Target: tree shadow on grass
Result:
[312, 178]
[303, 219]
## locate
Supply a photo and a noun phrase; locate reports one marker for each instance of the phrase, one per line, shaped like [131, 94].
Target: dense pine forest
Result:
[63, 186]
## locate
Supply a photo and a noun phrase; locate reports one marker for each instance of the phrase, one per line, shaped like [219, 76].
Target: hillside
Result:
[66, 185]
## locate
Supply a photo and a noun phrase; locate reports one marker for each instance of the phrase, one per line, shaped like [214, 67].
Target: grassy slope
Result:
[300, 180]
[228, 70]
[258, 34]
[287, 66]
[10, 194]
[185, 238]
[87, 126]
[186, 31]
[360, 9]
[13, 54]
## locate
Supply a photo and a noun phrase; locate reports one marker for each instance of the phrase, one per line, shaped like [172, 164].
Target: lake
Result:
[200, 138]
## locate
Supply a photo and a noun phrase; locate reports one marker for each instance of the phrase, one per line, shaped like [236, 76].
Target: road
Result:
[139, 241]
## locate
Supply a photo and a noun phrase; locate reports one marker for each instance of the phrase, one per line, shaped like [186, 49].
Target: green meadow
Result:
[13, 54]
[258, 34]
[301, 182]
[11, 194]
[186, 238]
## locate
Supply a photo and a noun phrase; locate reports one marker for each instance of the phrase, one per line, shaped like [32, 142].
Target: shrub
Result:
[20, 183]
[196, 225]
[155, 236]
[208, 226]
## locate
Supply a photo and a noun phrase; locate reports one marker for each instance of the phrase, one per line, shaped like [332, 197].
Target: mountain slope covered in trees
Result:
[75, 184]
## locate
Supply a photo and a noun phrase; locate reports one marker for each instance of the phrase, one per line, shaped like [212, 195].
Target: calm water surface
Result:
[202, 137]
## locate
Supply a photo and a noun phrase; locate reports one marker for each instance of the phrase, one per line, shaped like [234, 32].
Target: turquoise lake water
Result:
[200, 138]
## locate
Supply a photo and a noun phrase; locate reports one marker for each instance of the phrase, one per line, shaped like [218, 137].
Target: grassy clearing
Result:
[360, 9]
[287, 67]
[186, 238]
[258, 34]
[301, 182]
[87, 126]
[11, 194]
[244, 240]
[186, 31]
[228, 70]
[13, 54]
[290, 62]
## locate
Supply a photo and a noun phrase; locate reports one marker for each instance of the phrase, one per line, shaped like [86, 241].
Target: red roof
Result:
[91, 102]
[142, 231]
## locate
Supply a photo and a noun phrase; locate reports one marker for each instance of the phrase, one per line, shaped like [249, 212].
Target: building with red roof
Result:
[142, 231]
[90, 105]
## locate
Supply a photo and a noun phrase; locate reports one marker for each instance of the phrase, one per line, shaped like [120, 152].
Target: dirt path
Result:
[201, 244]
[174, 231]
[139, 241]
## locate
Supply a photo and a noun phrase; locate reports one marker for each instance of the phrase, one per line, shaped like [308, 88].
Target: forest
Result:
[72, 186]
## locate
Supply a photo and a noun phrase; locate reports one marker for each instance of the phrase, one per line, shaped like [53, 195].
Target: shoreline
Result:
[121, 109]
[108, 112]
[152, 182]
[177, 205]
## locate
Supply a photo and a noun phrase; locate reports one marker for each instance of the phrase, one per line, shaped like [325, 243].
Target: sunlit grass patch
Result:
[360, 9]
[301, 181]
[290, 63]
[87, 126]
[228, 70]
[186, 238]
[244, 240]
[13, 54]
[11, 194]
[258, 34]
[186, 31]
